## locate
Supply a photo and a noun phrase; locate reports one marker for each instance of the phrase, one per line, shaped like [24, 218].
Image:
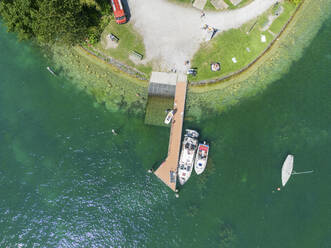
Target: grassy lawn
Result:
[129, 40]
[209, 6]
[241, 4]
[277, 25]
[182, 1]
[244, 44]
[155, 110]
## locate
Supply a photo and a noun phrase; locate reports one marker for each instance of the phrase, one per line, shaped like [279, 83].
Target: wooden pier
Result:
[167, 171]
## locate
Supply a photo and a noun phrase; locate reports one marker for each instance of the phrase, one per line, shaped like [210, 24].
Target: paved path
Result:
[171, 162]
[172, 33]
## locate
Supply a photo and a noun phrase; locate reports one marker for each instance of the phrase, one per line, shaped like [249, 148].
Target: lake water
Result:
[66, 181]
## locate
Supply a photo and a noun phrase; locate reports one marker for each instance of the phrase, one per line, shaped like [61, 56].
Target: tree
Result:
[16, 15]
[49, 21]
[59, 20]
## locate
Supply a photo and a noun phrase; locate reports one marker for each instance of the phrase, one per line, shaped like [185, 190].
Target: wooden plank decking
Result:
[170, 164]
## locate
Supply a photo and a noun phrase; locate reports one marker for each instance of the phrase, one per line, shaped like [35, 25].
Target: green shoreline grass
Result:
[221, 49]
[127, 94]
[129, 40]
[243, 43]
[219, 97]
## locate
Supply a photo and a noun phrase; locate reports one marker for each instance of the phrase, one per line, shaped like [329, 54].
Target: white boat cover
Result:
[287, 169]
[186, 161]
[201, 158]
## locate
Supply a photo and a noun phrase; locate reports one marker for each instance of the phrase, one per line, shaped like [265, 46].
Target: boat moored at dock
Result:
[187, 156]
[201, 158]
[169, 117]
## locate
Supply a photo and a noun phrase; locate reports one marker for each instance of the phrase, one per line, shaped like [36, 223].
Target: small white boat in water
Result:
[51, 71]
[201, 158]
[169, 117]
[287, 169]
[186, 162]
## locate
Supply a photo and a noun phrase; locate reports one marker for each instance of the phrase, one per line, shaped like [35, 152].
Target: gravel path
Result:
[172, 33]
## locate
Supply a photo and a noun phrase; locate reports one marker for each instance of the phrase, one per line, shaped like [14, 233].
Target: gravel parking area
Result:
[173, 33]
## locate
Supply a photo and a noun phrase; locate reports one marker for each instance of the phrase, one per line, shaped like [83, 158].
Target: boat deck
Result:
[169, 166]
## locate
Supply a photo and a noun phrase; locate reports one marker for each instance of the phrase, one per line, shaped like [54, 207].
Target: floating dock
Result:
[167, 171]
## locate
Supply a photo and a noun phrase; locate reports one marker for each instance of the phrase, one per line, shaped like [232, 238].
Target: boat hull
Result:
[201, 168]
[169, 117]
[184, 176]
[287, 169]
[201, 158]
[187, 156]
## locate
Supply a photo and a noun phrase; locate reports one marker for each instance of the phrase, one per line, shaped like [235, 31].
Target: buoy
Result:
[150, 171]
[114, 132]
[278, 189]
[176, 190]
[177, 195]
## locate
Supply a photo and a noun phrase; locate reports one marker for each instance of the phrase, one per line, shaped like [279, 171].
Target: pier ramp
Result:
[167, 171]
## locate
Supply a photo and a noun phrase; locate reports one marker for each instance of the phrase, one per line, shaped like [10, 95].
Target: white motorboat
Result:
[287, 169]
[169, 117]
[201, 158]
[189, 148]
[51, 71]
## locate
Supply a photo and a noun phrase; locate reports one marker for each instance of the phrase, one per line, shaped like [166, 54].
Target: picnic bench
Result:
[112, 37]
[137, 55]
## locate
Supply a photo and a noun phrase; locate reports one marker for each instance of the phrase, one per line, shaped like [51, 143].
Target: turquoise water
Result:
[66, 181]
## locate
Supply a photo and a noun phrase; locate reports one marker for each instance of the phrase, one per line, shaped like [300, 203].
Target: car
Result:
[192, 72]
[118, 10]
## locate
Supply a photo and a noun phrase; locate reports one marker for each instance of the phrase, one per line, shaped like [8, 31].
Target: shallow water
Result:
[66, 181]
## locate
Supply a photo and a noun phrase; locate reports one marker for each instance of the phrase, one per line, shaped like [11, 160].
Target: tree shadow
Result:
[93, 15]
[104, 5]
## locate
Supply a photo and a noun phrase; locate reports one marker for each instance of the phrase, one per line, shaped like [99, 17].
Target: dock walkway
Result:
[167, 171]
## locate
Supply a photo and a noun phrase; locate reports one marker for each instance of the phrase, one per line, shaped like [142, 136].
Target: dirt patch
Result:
[135, 59]
[219, 4]
[108, 43]
[199, 4]
[271, 18]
